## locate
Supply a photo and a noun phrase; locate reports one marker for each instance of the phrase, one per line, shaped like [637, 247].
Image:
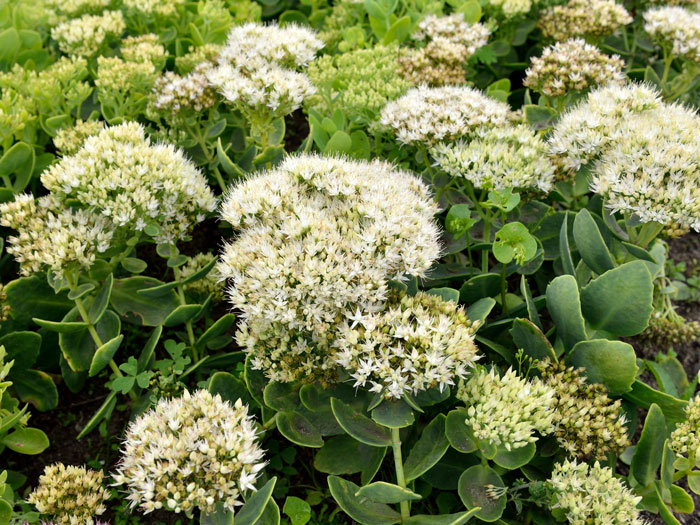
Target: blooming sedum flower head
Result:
[583, 18]
[115, 75]
[360, 82]
[512, 8]
[502, 157]
[676, 27]
[144, 48]
[573, 65]
[588, 423]
[685, 440]
[210, 284]
[174, 93]
[162, 8]
[431, 115]
[453, 28]
[592, 495]
[134, 183]
[507, 410]
[70, 495]
[66, 9]
[414, 343]
[190, 452]
[85, 36]
[69, 140]
[191, 60]
[585, 131]
[319, 237]
[51, 236]
[653, 169]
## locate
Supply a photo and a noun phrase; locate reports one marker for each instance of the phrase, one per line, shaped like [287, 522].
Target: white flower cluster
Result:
[592, 495]
[154, 7]
[69, 140]
[430, 115]
[453, 28]
[174, 93]
[572, 65]
[512, 8]
[144, 48]
[257, 69]
[49, 235]
[677, 27]
[507, 410]
[190, 452]
[121, 175]
[583, 18]
[685, 439]
[85, 36]
[115, 75]
[413, 344]
[60, 10]
[502, 157]
[70, 495]
[319, 237]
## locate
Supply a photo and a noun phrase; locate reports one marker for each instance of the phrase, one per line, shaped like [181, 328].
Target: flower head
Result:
[507, 409]
[412, 344]
[512, 8]
[69, 140]
[87, 35]
[134, 183]
[583, 18]
[677, 27]
[190, 452]
[70, 495]
[162, 8]
[175, 94]
[685, 439]
[144, 48]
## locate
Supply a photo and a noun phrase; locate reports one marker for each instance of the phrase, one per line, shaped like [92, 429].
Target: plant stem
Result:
[487, 238]
[400, 478]
[504, 304]
[188, 325]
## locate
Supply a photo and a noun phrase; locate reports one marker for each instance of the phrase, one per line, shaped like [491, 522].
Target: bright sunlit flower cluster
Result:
[154, 7]
[189, 453]
[144, 48]
[677, 28]
[319, 237]
[70, 495]
[594, 18]
[414, 343]
[174, 93]
[134, 183]
[430, 115]
[87, 35]
[592, 495]
[573, 65]
[507, 410]
[498, 158]
[512, 8]
[685, 439]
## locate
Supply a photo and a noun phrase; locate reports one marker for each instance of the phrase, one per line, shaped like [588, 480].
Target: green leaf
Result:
[340, 142]
[299, 430]
[484, 285]
[201, 273]
[139, 308]
[104, 354]
[383, 492]
[458, 433]
[79, 348]
[539, 117]
[565, 308]
[447, 294]
[63, 327]
[345, 455]
[428, 450]
[99, 305]
[445, 519]
[5, 507]
[473, 492]
[471, 10]
[249, 513]
[271, 514]
[226, 163]
[182, 314]
[531, 339]
[229, 387]
[565, 249]
[16, 157]
[649, 450]
[393, 414]
[22, 348]
[480, 310]
[514, 242]
[133, 264]
[681, 501]
[694, 482]
[359, 426]
[607, 301]
[514, 458]
[220, 516]
[102, 413]
[81, 291]
[398, 31]
[612, 363]
[35, 387]
[30, 441]
[297, 509]
[149, 349]
[281, 396]
[10, 43]
[359, 508]
[218, 328]
[644, 396]
[590, 243]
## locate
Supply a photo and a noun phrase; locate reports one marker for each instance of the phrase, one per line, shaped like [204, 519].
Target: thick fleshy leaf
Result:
[27, 440]
[345, 455]
[182, 314]
[359, 508]
[428, 450]
[140, 308]
[299, 430]
[473, 491]
[458, 433]
[648, 452]
[22, 348]
[229, 387]
[218, 328]
[459, 518]
[35, 387]
[99, 305]
[79, 347]
[253, 509]
[644, 396]
[360, 426]
[590, 243]
[104, 354]
[281, 396]
[484, 285]
[383, 492]
[393, 414]
[564, 306]
[531, 339]
[514, 458]
[612, 363]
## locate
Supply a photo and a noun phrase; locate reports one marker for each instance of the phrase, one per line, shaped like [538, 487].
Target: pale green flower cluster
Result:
[210, 284]
[592, 495]
[70, 495]
[88, 35]
[589, 18]
[115, 75]
[685, 439]
[677, 28]
[69, 140]
[16, 113]
[173, 93]
[189, 61]
[62, 10]
[358, 82]
[572, 65]
[497, 158]
[430, 115]
[162, 8]
[512, 8]
[52, 236]
[507, 410]
[414, 343]
[318, 239]
[134, 183]
[144, 49]
[189, 453]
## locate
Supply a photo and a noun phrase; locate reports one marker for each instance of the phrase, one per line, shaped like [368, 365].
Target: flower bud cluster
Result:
[134, 183]
[87, 35]
[672, 330]
[210, 284]
[174, 93]
[69, 140]
[144, 49]
[160, 8]
[497, 158]
[588, 424]
[507, 410]
[512, 8]
[189, 453]
[592, 494]
[188, 62]
[318, 239]
[677, 28]
[590, 18]
[414, 343]
[70, 495]
[685, 439]
[430, 115]
[572, 65]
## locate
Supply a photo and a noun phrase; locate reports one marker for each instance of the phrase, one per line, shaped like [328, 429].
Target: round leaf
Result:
[473, 492]
[612, 363]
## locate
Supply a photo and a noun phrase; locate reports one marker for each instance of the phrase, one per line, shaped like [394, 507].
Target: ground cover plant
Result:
[419, 262]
